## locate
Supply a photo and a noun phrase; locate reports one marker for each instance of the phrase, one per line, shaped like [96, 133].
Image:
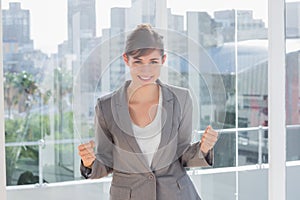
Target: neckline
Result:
[158, 113]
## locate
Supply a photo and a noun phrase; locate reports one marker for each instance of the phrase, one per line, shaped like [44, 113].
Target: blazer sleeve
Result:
[191, 156]
[102, 166]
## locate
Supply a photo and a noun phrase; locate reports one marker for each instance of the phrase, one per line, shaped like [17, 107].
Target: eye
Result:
[154, 62]
[137, 62]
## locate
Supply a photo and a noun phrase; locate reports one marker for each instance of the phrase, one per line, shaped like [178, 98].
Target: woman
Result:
[143, 130]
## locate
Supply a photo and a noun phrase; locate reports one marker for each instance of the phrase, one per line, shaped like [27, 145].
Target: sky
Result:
[49, 17]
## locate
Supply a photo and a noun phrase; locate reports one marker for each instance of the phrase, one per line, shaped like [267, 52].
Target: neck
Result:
[141, 94]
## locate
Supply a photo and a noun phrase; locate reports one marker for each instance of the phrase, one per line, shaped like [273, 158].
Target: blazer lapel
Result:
[122, 117]
[167, 114]
[166, 122]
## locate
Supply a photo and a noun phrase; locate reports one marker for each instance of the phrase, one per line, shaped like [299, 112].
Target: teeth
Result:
[145, 77]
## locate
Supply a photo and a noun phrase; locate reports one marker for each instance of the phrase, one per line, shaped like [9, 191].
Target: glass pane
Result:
[252, 96]
[225, 150]
[26, 97]
[292, 175]
[58, 161]
[25, 169]
[253, 147]
[207, 184]
[293, 138]
[292, 96]
[257, 180]
[292, 63]
[252, 60]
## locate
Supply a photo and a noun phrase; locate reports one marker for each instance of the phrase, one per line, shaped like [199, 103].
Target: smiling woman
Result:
[149, 148]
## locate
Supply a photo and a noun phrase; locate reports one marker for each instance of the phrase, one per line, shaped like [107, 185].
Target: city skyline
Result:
[226, 72]
[48, 42]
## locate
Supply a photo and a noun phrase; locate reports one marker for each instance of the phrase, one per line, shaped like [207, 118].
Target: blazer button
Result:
[151, 177]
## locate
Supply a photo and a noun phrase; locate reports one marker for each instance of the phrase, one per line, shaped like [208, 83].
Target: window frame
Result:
[2, 135]
[276, 101]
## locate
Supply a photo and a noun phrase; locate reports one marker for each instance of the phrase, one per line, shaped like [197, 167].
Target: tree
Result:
[22, 90]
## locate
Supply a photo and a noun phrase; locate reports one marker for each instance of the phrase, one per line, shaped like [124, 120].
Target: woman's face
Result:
[145, 69]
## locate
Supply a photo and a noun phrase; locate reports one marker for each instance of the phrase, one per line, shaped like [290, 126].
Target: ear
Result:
[125, 58]
[164, 58]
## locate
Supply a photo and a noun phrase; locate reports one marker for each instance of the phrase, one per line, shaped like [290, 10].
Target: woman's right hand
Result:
[86, 152]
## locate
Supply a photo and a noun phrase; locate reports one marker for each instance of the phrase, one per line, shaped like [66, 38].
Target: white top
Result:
[148, 137]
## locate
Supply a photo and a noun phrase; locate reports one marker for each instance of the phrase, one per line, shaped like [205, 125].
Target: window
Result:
[292, 94]
[55, 67]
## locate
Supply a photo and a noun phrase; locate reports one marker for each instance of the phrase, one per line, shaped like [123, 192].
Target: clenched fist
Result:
[208, 140]
[86, 152]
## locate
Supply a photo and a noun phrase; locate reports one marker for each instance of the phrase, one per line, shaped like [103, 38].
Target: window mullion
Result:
[2, 133]
[276, 100]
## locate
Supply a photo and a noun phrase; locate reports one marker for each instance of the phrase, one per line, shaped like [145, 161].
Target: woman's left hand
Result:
[208, 140]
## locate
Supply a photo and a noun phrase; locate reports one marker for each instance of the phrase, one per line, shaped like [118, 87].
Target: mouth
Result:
[145, 78]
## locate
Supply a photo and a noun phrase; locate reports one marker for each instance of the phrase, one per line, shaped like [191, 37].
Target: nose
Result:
[145, 68]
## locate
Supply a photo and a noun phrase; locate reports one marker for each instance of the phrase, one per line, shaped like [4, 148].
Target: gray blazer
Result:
[118, 152]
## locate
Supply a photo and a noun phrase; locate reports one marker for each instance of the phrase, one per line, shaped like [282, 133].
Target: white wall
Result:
[253, 184]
